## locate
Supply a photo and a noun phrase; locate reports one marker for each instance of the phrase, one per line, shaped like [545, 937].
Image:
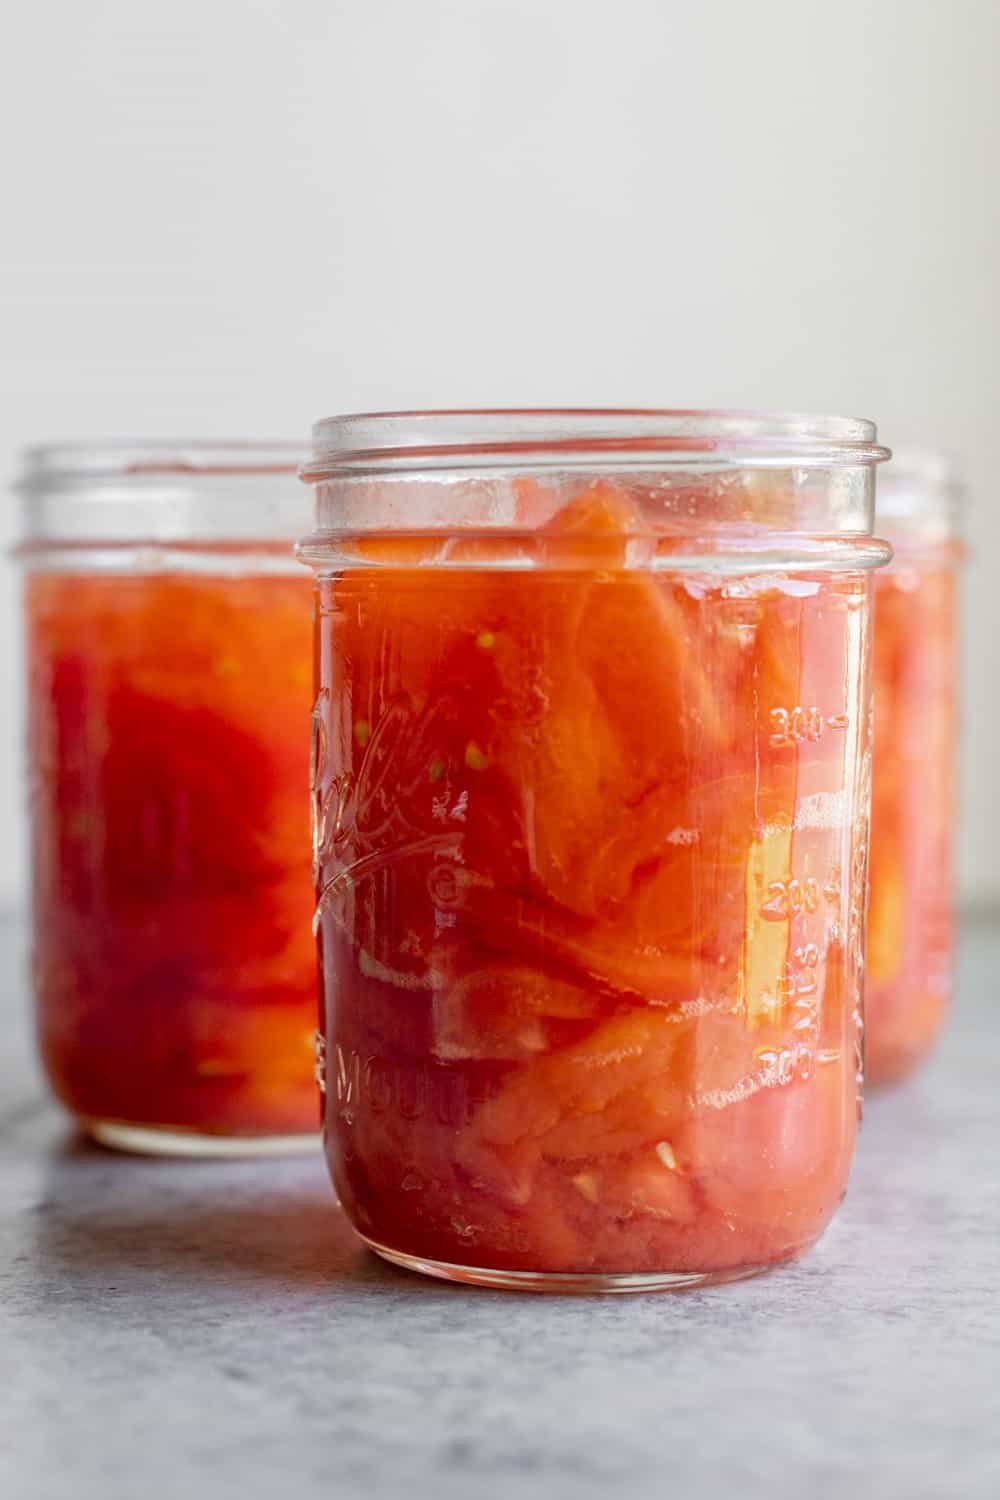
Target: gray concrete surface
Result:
[188, 1330]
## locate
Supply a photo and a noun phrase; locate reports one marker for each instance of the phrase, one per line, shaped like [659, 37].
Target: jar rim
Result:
[920, 497]
[475, 438]
[138, 461]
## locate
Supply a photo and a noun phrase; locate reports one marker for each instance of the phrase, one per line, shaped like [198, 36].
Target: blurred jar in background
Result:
[910, 923]
[169, 686]
[590, 813]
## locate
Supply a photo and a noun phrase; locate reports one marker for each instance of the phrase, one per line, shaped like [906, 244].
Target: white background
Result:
[228, 217]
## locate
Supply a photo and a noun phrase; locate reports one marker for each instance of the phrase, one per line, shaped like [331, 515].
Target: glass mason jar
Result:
[169, 688]
[910, 923]
[590, 806]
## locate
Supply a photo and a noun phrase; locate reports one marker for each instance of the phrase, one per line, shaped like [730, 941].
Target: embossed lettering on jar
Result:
[590, 780]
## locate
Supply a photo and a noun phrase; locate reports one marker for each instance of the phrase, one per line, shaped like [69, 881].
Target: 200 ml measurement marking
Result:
[789, 898]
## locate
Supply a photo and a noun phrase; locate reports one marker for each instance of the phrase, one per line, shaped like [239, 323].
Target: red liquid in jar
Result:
[590, 870]
[910, 923]
[173, 963]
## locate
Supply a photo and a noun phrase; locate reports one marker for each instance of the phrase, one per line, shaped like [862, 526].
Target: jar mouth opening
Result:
[138, 461]
[537, 437]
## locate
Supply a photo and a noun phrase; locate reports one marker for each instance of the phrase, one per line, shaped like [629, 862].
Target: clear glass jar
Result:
[590, 805]
[169, 687]
[910, 922]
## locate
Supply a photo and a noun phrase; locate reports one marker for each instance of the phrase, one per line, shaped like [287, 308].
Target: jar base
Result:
[155, 1140]
[567, 1283]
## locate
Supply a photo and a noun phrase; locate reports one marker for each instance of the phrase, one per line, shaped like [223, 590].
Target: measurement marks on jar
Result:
[799, 975]
[791, 898]
[801, 723]
[786, 899]
[780, 1066]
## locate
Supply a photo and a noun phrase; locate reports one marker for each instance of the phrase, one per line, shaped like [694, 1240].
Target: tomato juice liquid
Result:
[168, 742]
[589, 845]
[910, 923]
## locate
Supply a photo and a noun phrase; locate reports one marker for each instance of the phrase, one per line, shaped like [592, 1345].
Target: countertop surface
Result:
[212, 1329]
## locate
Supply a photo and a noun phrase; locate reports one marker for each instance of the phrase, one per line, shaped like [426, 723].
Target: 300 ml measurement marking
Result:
[791, 726]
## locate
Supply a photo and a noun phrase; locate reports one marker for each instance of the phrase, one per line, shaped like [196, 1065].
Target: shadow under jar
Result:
[169, 686]
[590, 803]
[910, 918]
